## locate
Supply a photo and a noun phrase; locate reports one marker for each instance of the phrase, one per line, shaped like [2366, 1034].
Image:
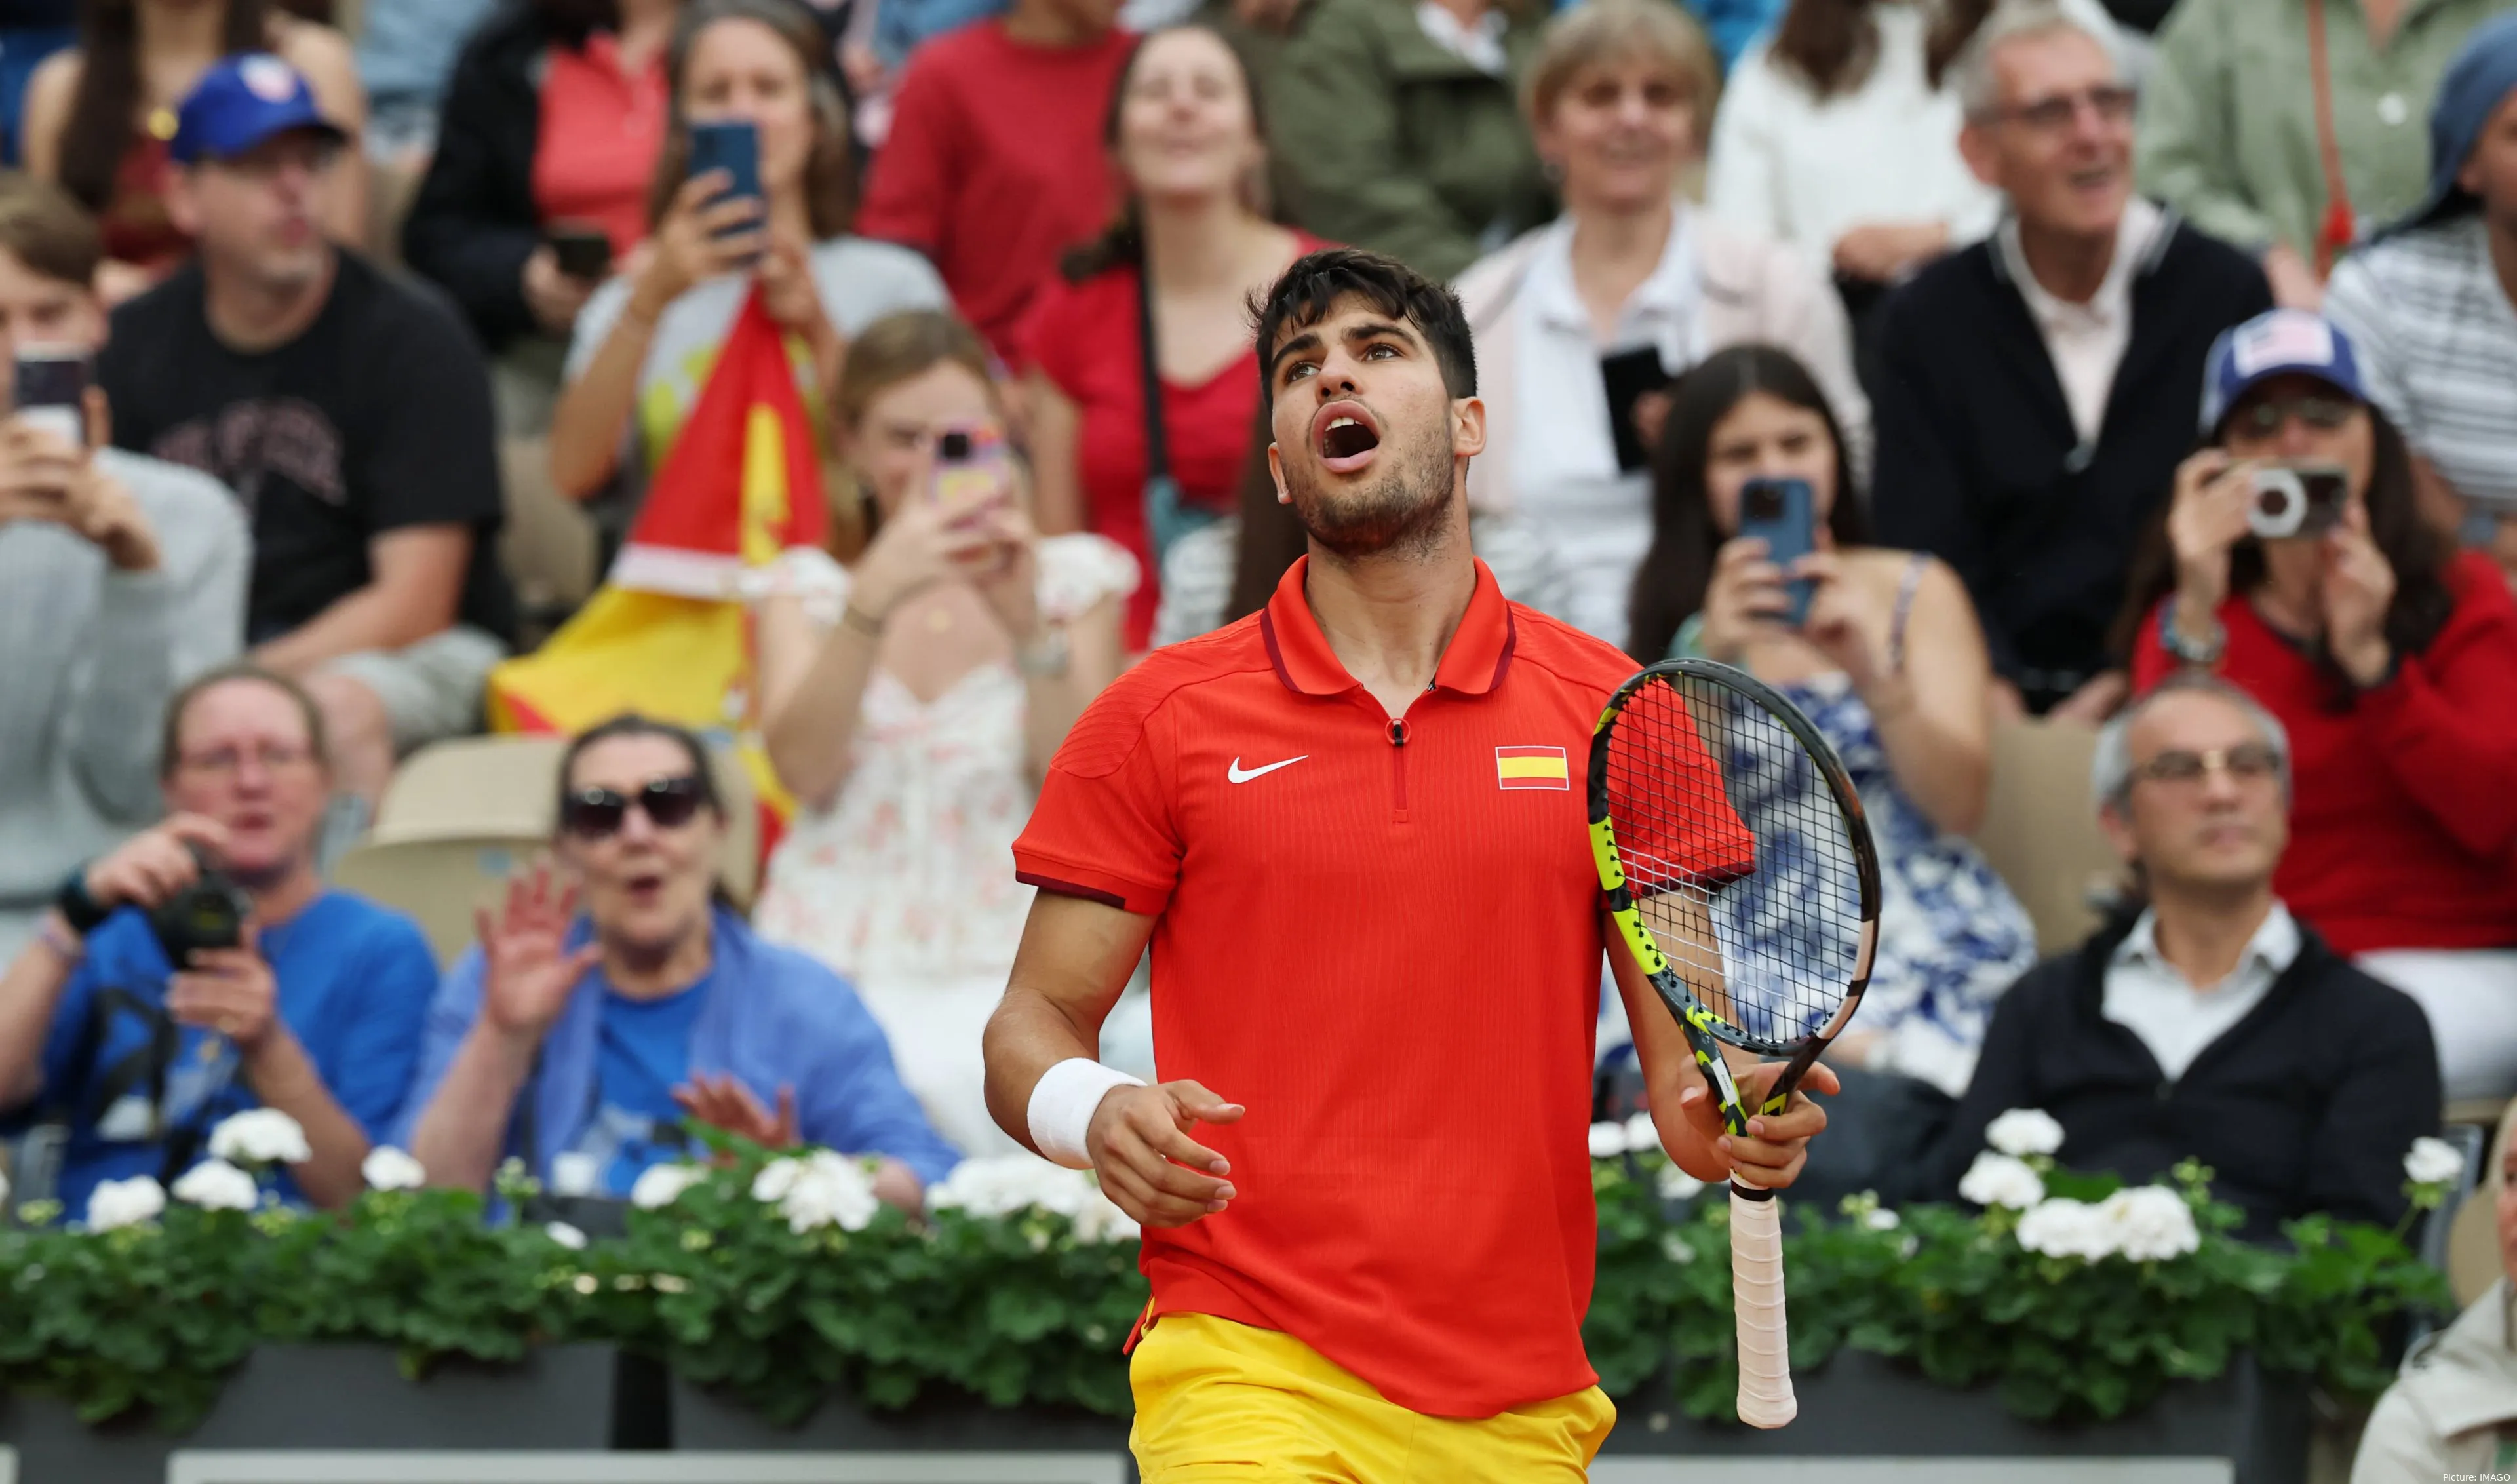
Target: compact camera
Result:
[2297, 500]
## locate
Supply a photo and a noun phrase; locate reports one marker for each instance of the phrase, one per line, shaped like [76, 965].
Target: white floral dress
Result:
[906, 882]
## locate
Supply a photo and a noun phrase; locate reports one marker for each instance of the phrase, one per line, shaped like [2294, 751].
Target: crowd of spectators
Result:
[1995, 280]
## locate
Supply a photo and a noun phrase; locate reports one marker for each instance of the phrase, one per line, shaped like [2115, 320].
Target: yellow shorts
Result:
[1225, 1402]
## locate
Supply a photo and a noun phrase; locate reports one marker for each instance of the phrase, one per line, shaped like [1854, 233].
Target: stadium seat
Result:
[437, 881]
[548, 546]
[2040, 830]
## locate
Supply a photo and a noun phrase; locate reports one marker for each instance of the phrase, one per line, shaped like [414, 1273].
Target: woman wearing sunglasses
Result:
[598, 1018]
[2390, 655]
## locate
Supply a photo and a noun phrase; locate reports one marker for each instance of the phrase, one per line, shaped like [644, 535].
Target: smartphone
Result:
[1783, 514]
[973, 473]
[2297, 500]
[52, 382]
[1627, 376]
[585, 252]
[732, 146]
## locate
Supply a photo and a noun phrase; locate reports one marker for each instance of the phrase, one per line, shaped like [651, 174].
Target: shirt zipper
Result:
[1398, 769]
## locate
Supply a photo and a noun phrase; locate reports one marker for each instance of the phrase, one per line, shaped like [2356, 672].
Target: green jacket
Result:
[1384, 139]
[2228, 116]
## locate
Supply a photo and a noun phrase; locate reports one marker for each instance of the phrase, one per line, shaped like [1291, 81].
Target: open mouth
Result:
[1345, 434]
[645, 886]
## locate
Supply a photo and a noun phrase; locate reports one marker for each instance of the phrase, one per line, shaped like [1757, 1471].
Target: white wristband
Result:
[1062, 1105]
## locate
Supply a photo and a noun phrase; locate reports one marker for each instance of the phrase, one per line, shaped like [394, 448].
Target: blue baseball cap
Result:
[2480, 78]
[241, 101]
[2280, 342]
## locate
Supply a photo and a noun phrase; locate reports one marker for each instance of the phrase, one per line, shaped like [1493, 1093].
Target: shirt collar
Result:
[2134, 235]
[1480, 47]
[1669, 293]
[2273, 947]
[1479, 652]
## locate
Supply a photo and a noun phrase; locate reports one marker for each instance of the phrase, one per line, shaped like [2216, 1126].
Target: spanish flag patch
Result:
[1531, 768]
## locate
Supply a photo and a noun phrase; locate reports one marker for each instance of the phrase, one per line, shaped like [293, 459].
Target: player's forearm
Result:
[1029, 1033]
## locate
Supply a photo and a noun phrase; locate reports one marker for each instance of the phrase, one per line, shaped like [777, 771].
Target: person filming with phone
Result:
[2293, 561]
[754, 188]
[202, 968]
[913, 700]
[1759, 559]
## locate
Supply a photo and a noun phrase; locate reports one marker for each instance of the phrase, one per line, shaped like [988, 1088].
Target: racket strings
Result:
[1741, 861]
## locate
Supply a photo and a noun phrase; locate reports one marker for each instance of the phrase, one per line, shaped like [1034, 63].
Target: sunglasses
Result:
[595, 814]
[2320, 412]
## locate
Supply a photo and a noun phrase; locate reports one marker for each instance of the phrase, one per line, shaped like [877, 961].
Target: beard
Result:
[1404, 513]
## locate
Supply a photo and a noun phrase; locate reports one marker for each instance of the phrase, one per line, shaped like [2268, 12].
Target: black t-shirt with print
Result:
[377, 419]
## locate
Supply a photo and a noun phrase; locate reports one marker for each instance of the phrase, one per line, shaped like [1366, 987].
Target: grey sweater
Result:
[88, 657]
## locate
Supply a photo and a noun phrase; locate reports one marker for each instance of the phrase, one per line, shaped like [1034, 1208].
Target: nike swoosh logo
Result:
[1239, 774]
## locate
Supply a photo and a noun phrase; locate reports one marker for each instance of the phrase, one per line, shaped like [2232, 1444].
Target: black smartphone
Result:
[585, 252]
[1625, 376]
[51, 389]
[732, 146]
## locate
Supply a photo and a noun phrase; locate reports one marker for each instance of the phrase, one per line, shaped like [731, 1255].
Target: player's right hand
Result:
[1141, 1148]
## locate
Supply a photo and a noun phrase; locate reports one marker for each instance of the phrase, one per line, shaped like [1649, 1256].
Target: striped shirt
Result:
[1197, 573]
[2437, 340]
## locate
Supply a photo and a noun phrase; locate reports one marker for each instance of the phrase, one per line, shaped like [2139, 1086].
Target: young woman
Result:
[100, 117]
[1186, 140]
[911, 700]
[2389, 655]
[1619, 94]
[645, 341]
[554, 116]
[597, 1018]
[1889, 663]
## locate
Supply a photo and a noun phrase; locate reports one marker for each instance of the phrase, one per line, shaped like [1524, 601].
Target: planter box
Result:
[338, 1397]
[1860, 1405]
[705, 1421]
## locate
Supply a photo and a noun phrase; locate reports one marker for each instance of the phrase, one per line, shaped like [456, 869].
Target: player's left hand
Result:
[1776, 1146]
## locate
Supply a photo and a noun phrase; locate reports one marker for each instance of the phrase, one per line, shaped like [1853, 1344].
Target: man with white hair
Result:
[2213, 1024]
[2038, 388]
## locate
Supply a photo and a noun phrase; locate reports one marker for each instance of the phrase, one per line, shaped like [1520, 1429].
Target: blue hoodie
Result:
[769, 1015]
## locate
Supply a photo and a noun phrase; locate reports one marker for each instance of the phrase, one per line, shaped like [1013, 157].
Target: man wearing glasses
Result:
[125, 1058]
[2038, 388]
[2213, 1024]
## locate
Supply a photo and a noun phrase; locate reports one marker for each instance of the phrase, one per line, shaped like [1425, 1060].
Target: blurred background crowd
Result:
[416, 400]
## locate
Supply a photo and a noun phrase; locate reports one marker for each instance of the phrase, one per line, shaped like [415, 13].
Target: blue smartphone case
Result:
[732, 146]
[1789, 533]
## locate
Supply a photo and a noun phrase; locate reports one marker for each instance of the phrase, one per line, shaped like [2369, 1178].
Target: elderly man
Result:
[2432, 307]
[2214, 1025]
[2038, 388]
[131, 1035]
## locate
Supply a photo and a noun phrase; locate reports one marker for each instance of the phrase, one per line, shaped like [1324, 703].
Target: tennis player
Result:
[1352, 829]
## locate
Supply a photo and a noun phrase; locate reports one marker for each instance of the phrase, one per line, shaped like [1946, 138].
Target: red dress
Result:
[1083, 336]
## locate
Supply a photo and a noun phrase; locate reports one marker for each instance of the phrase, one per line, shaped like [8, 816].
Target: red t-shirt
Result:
[995, 165]
[1390, 953]
[2405, 804]
[1083, 337]
[602, 128]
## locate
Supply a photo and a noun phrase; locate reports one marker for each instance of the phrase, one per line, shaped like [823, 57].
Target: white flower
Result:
[1882, 1219]
[1642, 1137]
[1675, 1248]
[1607, 1140]
[566, 1235]
[4, 1188]
[389, 1168]
[1009, 1184]
[260, 1136]
[661, 1185]
[2433, 1162]
[2066, 1228]
[124, 1202]
[575, 1173]
[2023, 1131]
[2001, 1180]
[217, 1185]
[1675, 1184]
[817, 1190]
[1104, 1221]
[2149, 1223]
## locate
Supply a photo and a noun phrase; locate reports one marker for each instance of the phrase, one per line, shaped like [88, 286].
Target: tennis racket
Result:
[1736, 860]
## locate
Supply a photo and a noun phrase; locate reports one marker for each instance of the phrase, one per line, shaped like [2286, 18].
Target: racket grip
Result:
[1765, 1397]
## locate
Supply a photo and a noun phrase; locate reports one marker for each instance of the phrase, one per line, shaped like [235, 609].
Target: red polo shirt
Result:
[1383, 938]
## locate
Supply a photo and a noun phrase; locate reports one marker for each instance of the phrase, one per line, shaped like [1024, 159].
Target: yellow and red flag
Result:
[667, 633]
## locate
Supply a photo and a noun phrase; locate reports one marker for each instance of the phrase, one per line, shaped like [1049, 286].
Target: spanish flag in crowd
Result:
[667, 634]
